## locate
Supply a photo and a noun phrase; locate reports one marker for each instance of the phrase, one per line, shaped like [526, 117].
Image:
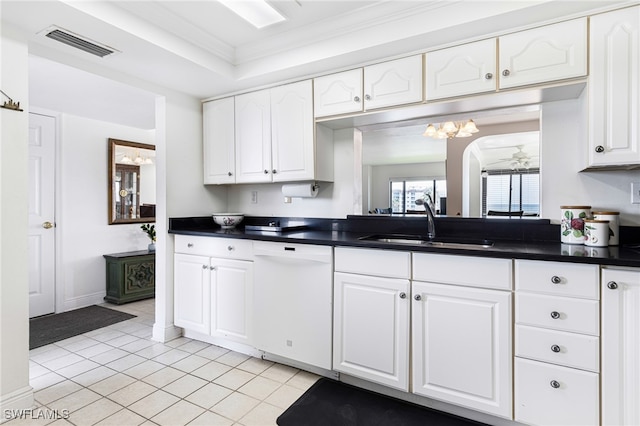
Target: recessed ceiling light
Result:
[257, 12]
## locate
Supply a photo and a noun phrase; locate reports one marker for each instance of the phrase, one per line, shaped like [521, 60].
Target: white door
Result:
[371, 328]
[253, 137]
[192, 292]
[461, 340]
[219, 141]
[338, 93]
[292, 132]
[393, 83]
[620, 347]
[42, 138]
[232, 300]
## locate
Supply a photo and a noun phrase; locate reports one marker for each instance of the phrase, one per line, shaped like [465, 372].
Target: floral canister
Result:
[572, 223]
[614, 225]
[596, 233]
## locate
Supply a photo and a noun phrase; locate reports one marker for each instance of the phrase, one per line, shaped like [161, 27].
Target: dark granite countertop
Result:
[535, 239]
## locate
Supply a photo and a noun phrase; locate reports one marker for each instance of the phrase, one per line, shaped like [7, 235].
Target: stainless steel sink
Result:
[417, 240]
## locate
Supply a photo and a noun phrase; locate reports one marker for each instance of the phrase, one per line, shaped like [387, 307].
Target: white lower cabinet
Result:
[371, 328]
[620, 346]
[462, 346]
[214, 295]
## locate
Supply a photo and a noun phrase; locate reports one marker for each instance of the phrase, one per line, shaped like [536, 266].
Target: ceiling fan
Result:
[518, 160]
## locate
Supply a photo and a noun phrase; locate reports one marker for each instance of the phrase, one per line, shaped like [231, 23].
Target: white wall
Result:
[15, 392]
[82, 226]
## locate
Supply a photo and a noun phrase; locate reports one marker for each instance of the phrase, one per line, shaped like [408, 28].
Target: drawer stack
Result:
[557, 344]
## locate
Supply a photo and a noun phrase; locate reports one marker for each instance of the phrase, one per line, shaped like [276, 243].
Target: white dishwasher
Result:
[293, 294]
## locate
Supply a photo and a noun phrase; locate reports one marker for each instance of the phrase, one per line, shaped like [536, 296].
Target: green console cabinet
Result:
[130, 276]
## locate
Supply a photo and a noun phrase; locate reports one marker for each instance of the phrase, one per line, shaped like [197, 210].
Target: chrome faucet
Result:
[429, 208]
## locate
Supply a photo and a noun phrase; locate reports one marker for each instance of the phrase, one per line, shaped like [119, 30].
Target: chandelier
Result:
[451, 129]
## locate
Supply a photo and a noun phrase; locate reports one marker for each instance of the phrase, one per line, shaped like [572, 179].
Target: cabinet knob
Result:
[274, 171]
[506, 73]
[403, 295]
[230, 174]
[554, 384]
[555, 315]
[488, 76]
[231, 248]
[417, 297]
[213, 268]
[266, 172]
[555, 348]
[205, 266]
[612, 285]
[356, 99]
[556, 279]
[190, 245]
[599, 149]
[367, 97]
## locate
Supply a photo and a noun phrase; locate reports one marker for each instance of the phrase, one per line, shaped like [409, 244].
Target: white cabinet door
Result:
[395, 82]
[339, 93]
[253, 137]
[462, 346]
[371, 328]
[620, 347]
[614, 88]
[232, 299]
[549, 53]
[461, 70]
[292, 143]
[192, 292]
[219, 141]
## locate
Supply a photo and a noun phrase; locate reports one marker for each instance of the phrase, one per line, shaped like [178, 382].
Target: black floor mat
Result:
[332, 403]
[53, 328]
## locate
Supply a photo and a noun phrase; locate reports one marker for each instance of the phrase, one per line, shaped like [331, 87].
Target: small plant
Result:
[150, 230]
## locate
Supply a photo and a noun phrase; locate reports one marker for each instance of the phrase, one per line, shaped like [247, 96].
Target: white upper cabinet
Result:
[393, 83]
[549, 53]
[461, 70]
[614, 88]
[339, 93]
[219, 141]
[292, 143]
[386, 84]
[253, 137]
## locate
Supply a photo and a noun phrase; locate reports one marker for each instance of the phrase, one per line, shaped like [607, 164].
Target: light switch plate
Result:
[635, 192]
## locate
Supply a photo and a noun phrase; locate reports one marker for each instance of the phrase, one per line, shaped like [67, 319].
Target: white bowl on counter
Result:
[228, 220]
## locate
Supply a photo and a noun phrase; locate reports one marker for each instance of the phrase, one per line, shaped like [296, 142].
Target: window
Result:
[404, 194]
[511, 191]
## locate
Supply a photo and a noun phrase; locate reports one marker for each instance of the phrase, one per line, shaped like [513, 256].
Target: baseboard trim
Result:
[13, 404]
[83, 301]
[165, 333]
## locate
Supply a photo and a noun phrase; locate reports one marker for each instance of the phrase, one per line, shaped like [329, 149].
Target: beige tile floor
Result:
[118, 376]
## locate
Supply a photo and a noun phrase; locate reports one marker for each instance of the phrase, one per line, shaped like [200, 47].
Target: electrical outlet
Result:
[254, 197]
[635, 192]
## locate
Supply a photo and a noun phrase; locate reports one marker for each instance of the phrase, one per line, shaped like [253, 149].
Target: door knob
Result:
[47, 225]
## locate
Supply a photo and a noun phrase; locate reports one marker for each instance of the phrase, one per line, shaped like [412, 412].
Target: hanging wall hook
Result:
[11, 104]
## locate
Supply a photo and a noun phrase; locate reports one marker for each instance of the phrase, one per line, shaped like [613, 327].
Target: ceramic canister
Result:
[614, 225]
[572, 223]
[596, 233]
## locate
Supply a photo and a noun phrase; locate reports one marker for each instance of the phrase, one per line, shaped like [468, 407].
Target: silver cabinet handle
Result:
[612, 285]
[599, 149]
[230, 174]
[274, 171]
[356, 99]
[367, 97]
[266, 172]
[213, 268]
[506, 73]
[488, 76]
[417, 297]
[230, 248]
[205, 266]
[554, 384]
[556, 279]
[555, 348]
[555, 315]
[190, 245]
[403, 295]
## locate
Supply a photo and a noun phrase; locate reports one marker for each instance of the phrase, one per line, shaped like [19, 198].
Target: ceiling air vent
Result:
[72, 40]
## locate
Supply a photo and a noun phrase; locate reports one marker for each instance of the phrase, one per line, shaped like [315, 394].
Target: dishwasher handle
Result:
[322, 254]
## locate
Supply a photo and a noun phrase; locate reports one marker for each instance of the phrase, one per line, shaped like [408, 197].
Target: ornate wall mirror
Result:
[132, 182]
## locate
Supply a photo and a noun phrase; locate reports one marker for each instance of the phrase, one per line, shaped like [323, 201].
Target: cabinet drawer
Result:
[558, 347]
[563, 279]
[462, 270]
[215, 247]
[381, 263]
[558, 313]
[547, 394]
